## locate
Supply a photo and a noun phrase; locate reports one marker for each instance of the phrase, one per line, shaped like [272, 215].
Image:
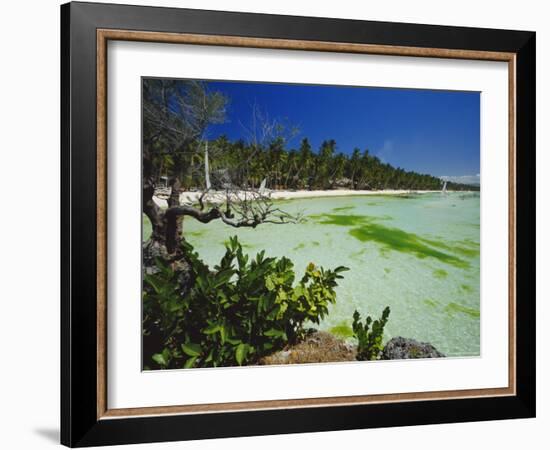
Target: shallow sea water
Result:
[417, 254]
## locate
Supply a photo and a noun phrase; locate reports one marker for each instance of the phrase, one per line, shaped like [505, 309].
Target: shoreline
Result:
[217, 196]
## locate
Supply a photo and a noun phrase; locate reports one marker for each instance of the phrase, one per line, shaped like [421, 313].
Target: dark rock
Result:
[404, 348]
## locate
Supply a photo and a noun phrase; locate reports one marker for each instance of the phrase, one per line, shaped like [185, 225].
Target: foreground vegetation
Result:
[239, 312]
[243, 310]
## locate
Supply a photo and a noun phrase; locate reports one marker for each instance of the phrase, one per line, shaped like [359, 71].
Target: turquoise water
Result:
[419, 255]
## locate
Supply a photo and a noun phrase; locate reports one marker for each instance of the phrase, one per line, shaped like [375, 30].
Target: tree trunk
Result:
[150, 208]
[173, 224]
[166, 231]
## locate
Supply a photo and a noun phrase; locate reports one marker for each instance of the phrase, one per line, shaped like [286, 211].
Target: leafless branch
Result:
[242, 208]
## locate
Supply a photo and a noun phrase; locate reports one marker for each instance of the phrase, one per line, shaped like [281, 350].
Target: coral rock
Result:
[404, 348]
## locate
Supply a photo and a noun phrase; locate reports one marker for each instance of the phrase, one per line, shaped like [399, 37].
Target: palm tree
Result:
[322, 172]
[353, 167]
[305, 163]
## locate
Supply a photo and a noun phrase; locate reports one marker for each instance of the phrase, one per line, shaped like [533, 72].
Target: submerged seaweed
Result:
[342, 330]
[440, 273]
[402, 241]
[367, 228]
[343, 208]
[431, 303]
[453, 307]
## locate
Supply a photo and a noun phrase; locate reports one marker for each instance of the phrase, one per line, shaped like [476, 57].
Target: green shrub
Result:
[234, 315]
[369, 339]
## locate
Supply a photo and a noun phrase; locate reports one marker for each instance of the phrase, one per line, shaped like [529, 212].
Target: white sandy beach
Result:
[217, 196]
[287, 195]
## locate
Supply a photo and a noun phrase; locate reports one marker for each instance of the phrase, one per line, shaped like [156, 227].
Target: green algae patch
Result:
[469, 243]
[459, 249]
[466, 288]
[367, 228]
[282, 201]
[195, 233]
[402, 241]
[387, 269]
[440, 273]
[431, 303]
[357, 255]
[343, 330]
[471, 253]
[303, 245]
[345, 220]
[452, 308]
[343, 208]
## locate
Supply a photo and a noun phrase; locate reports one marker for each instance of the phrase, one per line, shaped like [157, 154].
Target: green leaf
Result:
[191, 349]
[240, 353]
[211, 329]
[222, 278]
[174, 306]
[281, 295]
[190, 362]
[269, 284]
[233, 341]
[159, 359]
[210, 356]
[274, 333]
[154, 282]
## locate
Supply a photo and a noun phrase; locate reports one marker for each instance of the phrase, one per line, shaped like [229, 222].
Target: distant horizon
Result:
[426, 131]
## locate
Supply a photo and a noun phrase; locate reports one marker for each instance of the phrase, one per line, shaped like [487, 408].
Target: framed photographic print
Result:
[277, 224]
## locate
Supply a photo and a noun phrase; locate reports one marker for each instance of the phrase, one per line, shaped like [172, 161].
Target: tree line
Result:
[248, 164]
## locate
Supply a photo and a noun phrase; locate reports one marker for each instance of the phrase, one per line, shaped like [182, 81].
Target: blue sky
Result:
[435, 132]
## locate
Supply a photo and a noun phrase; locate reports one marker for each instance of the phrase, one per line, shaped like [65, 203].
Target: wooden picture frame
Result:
[86, 418]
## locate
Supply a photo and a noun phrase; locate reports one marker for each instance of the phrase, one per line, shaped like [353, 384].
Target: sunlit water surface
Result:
[419, 255]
